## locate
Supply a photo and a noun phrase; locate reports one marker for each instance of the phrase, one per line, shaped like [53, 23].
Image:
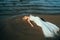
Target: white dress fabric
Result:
[49, 29]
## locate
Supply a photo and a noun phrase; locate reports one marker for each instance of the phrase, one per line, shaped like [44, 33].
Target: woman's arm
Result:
[27, 18]
[30, 22]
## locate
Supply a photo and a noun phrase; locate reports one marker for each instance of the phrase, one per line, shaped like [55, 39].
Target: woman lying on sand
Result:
[49, 29]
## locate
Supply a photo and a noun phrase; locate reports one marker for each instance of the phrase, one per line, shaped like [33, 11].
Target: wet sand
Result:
[17, 29]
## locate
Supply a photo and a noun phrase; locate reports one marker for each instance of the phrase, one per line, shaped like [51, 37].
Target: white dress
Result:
[49, 29]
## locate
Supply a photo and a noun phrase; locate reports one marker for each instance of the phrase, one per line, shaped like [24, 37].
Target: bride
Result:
[49, 29]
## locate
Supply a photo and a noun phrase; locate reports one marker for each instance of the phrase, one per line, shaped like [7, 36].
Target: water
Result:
[38, 6]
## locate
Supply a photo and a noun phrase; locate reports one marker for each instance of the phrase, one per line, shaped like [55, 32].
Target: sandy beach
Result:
[16, 29]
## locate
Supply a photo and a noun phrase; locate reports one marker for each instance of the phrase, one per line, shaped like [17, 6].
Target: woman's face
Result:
[25, 17]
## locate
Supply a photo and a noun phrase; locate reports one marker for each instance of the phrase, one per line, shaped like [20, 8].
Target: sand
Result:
[17, 29]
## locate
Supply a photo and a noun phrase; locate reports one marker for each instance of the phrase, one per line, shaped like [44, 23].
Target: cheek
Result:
[25, 18]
